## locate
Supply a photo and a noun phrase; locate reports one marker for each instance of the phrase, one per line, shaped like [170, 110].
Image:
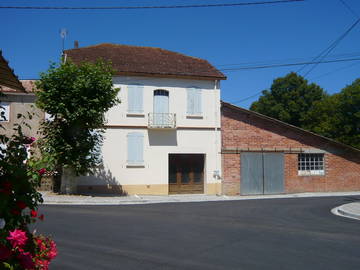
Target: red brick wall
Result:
[243, 130]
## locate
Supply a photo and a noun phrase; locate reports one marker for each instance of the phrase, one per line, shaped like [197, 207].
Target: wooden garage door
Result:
[186, 173]
[262, 173]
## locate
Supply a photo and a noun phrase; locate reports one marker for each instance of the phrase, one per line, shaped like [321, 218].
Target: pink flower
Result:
[53, 250]
[26, 260]
[33, 213]
[42, 171]
[17, 238]
[43, 263]
[4, 253]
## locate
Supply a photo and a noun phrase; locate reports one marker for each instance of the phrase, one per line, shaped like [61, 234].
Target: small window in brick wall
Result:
[311, 164]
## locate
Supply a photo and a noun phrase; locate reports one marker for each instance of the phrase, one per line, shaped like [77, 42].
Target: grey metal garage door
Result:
[262, 173]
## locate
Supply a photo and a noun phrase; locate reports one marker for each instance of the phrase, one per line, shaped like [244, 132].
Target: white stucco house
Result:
[164, 137]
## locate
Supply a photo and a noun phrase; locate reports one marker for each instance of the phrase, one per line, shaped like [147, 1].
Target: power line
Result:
[275, 61]
[247, 98]
[290, 64]
[349, 8]
[152, 7]
[333, 46]
[336, 70]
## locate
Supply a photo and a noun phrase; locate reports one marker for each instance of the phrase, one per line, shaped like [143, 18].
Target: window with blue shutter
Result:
[194, 101]
[135, 150]
[135, 98]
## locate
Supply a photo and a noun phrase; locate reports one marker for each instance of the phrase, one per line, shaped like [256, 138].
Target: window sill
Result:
[133, 114]
[135, 166]
[311, 173]
[194, 117]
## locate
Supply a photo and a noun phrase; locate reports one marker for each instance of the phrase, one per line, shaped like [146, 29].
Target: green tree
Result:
[349, 108]
[324, 117]
[289, 99]
[338, 116]
[77, 97]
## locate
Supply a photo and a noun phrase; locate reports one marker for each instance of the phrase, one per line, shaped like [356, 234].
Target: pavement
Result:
[350, 210]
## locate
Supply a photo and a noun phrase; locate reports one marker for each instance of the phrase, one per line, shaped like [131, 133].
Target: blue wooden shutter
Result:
[135, 98]
[135, 148]
[194, 101]
[197, 101]
[190, 101]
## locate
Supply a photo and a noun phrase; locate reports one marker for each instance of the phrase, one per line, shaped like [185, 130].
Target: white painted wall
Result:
[177, 101]
[187, 138]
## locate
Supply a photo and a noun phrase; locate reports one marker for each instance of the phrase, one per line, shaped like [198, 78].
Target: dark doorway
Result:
[186, 173]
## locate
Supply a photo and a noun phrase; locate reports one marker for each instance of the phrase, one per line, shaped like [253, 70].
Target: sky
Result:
[228, 37]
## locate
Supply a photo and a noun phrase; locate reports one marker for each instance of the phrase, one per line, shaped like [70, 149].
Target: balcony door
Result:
[161, 107]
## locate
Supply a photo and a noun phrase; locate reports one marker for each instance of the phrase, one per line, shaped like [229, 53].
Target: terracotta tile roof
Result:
[29, 86]
[135, 60]
[7, 75]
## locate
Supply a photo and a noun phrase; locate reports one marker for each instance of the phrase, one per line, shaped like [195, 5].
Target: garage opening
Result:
[186, 173]
[261, 173]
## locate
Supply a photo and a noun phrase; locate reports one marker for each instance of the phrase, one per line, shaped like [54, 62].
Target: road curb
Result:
[136, 200]
[349, 210]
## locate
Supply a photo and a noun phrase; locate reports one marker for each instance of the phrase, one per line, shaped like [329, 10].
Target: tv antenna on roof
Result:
[63, 34]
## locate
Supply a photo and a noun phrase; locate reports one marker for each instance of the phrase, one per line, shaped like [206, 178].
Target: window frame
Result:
[5, 106]
[311, 164]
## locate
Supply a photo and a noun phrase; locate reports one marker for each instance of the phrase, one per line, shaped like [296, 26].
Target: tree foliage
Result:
[289, 99]
[292, 100]
[338, 116]
[77, 97]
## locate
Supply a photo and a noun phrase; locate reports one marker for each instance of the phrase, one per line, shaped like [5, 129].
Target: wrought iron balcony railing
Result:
[162, 120]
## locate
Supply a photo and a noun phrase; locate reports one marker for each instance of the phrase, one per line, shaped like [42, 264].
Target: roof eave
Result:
[168, 75]
[8, 77]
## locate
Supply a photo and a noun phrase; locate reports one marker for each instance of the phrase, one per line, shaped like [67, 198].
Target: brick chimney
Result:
[76, 44]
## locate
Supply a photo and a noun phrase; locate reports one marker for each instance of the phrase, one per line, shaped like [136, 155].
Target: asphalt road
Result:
[276, 234]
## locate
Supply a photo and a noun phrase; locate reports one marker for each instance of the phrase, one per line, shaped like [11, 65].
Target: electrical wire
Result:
[152, 7]
[336, 70]
[289, 64]
[247, 98]
[333, 46]
[349, 8]
[276, 61]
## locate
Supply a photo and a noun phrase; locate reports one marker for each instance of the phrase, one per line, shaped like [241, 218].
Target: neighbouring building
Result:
[20, 101]
[164, 137]
[16, 98]
[262, 155]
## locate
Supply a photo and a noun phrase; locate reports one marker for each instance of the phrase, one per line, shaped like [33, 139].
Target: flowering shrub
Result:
[19, 177]
[15, 253]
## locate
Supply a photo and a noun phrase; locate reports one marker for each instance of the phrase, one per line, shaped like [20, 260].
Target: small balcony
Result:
[162, 120]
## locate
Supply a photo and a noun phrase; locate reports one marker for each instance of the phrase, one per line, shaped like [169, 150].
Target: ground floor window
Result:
[311, 164]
